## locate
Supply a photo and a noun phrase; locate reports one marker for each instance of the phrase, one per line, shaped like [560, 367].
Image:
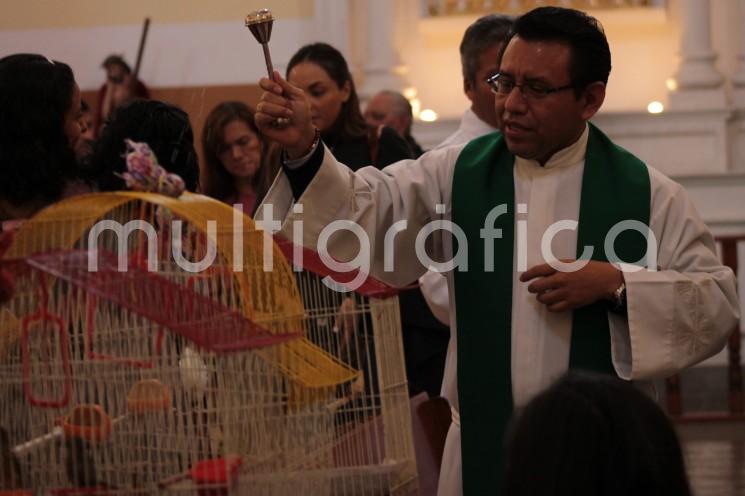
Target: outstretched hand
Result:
[283, 101]
[564, 291]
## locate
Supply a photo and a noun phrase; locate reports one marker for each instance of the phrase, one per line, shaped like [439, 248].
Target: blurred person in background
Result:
[392, 109]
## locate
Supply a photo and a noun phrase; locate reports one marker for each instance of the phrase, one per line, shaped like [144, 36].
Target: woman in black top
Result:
[321, 71]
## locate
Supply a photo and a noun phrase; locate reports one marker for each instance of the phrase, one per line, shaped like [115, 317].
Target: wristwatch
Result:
[618, 303]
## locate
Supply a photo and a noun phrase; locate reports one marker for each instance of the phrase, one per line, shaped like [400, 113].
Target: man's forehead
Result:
[542, 57]
[380, 102]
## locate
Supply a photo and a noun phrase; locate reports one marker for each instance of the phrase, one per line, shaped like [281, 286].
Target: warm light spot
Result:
[409, 93]
[428, 115]
[416, 106]
[655, 108]
[672, 84]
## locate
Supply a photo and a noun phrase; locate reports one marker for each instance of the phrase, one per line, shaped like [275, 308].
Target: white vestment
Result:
[677, 316]
[470, 127]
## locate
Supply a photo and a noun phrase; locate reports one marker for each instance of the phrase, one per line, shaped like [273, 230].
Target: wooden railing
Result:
[736, 406]
[459, 7]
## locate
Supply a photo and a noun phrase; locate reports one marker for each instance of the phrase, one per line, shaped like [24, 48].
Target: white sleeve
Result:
[375, 200]
[682, 313]
[434, 287]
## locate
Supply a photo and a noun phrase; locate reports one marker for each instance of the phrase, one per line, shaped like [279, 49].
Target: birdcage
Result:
[150, 346]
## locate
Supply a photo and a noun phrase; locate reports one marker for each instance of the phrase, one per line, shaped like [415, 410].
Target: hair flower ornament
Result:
[145, 174]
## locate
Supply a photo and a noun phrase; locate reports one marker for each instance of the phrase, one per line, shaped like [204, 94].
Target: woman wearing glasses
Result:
[239, 164]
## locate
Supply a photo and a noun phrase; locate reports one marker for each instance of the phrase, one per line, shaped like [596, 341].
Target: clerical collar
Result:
[570, 155]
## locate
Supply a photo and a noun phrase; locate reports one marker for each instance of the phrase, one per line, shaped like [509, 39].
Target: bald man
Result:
[392, 109]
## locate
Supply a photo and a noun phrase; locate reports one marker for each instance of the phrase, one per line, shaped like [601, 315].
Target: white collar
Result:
[571, 155]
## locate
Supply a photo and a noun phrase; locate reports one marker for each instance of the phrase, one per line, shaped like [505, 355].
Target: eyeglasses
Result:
[503, 85]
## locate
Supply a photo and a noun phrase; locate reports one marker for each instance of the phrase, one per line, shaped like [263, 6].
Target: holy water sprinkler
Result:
[260, 24]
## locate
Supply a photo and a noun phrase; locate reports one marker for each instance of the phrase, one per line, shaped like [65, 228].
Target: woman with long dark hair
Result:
[322, 72]
[40, 127]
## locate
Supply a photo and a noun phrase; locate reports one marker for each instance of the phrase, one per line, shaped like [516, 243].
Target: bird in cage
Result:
[144, 340]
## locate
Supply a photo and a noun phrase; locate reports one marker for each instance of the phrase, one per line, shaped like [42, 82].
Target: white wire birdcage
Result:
[176, 376]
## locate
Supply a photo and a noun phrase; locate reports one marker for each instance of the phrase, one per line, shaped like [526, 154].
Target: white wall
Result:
[180, 51]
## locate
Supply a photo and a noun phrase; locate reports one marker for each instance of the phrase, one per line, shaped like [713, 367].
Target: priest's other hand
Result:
[283, 115]
[563, 291]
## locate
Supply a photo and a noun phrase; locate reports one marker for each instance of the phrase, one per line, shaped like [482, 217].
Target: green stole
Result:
[615, 187]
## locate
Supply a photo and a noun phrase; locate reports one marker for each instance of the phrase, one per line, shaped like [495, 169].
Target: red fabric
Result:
[140, 91]
[312, 262]
[7, 284]
[216, 471]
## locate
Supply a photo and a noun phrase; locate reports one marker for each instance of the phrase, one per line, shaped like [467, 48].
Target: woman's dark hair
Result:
[591, 435]
[591, 60]
[36, 159]
[216, 181]
[164, 127]
[350, 123]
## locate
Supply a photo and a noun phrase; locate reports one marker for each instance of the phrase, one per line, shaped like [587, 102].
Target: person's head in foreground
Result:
[551, 80]
[40, 127]
[593, 435]
[165, 127]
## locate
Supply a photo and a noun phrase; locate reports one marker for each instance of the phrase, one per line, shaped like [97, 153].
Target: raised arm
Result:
[371, 204]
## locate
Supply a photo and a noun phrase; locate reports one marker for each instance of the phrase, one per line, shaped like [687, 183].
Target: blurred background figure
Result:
[479, 53]
[239, 165]
[164, 127]
[120, 87]
[86, 115]
[593, 435]
[84, 146]
[392, 109]
[40, 129]
[322, 72]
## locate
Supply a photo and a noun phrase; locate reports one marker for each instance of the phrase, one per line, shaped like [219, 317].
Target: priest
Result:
[567, 251]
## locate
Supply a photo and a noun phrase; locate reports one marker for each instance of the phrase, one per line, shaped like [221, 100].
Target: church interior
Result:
[675, 99]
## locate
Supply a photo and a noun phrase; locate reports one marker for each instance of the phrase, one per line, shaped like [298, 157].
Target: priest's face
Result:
[541, 114]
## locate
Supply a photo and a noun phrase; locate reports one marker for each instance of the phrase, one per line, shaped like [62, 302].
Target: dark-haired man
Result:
[550, 187]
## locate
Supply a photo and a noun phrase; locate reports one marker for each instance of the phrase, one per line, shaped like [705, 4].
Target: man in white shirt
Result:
[639, 291]
[479, 50]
